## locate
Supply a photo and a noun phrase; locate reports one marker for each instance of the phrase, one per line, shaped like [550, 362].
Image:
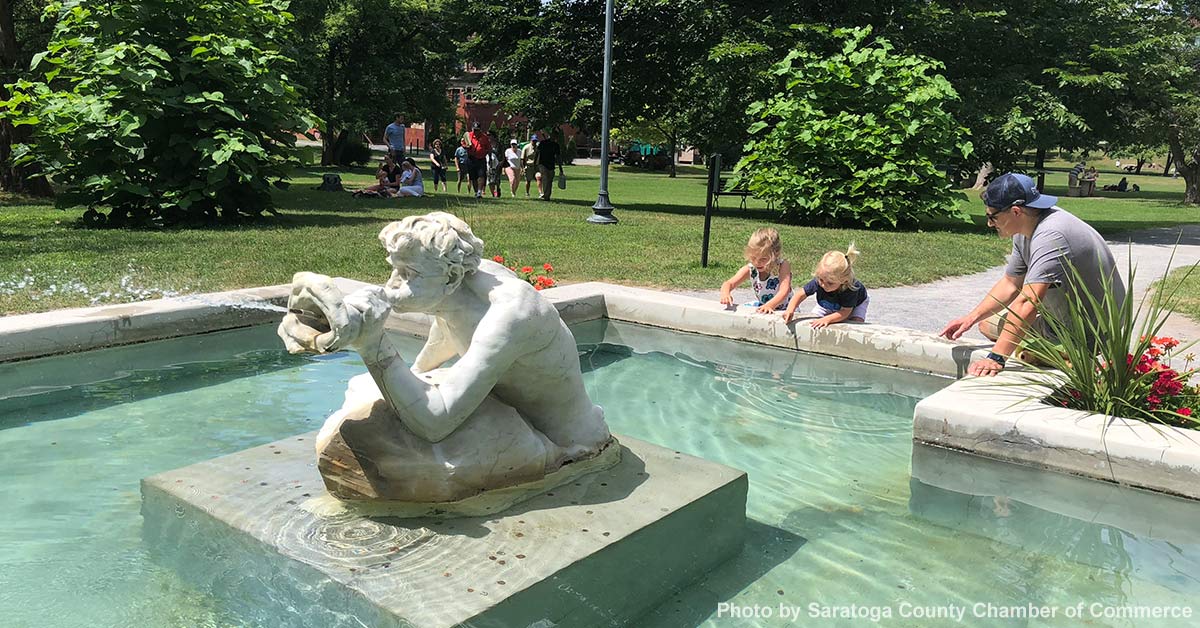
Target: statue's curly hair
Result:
[438, 235]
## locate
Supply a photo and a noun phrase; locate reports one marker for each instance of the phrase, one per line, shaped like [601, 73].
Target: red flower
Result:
[1185, 411]
[548, 268]
[537, 287]
[499, 259]
[527, 269]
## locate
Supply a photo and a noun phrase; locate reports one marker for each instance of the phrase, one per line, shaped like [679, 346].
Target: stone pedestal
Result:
[258, 530]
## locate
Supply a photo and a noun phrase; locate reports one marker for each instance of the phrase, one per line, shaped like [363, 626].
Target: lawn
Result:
[48, 262]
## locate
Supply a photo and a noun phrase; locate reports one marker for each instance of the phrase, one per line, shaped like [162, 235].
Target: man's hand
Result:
[984, 368]
[957, 327]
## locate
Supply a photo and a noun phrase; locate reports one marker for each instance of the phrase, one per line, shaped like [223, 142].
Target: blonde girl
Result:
[769, 273]
[840, 297]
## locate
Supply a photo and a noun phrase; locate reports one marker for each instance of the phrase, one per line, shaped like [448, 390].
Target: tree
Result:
[369, 59]
[856, 137]
[162, 110]
[21, 32]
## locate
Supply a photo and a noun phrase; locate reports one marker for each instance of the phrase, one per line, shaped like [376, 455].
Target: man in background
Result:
[393, 136]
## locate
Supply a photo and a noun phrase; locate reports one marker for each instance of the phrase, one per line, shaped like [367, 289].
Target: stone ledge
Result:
[599, 551]
[66, 331]
[999, 418]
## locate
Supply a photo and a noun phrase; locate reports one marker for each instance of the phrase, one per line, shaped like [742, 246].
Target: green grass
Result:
[1188, 294]
[48, 262]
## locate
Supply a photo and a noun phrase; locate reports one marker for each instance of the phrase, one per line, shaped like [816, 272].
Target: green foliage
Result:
[356, 153]
[1105, 356]
[162, 110]
[366, 60]
[855, 138]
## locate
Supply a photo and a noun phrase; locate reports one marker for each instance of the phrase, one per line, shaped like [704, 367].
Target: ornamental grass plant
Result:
[1104, 354]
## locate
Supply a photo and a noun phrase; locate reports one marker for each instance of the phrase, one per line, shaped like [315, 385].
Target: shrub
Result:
[855, 138]
[1109, 359]
[163, 110]
[571, 151]
[355, 153]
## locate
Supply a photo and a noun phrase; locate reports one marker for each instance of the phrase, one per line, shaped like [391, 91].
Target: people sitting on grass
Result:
[769, 273]
[388, 175]
[840, 296]
[411, 182]
[1121, 186]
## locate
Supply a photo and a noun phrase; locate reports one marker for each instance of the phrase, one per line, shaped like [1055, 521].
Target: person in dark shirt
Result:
[549, 156]
[840, 297]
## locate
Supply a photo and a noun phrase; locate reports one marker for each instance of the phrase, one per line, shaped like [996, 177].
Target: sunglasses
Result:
[991, 216]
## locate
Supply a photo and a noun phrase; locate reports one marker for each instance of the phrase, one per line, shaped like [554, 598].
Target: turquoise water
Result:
[843, 513]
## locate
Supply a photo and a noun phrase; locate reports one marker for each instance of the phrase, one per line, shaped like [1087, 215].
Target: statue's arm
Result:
[434, 411]
[437, 350]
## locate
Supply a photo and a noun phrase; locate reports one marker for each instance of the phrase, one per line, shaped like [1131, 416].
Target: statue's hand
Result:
[371, 307]
[317, 320]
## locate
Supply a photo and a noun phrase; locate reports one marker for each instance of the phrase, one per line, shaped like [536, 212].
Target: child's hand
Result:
[819, 323]
[765, 309]
[726, 298]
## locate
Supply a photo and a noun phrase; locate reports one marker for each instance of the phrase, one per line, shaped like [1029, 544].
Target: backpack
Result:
[331, 183]
[480, 146]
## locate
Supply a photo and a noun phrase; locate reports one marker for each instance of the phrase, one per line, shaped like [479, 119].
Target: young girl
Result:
[770, 274]
[840, 296]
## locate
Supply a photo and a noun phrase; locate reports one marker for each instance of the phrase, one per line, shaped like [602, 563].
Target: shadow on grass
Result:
[681, 210]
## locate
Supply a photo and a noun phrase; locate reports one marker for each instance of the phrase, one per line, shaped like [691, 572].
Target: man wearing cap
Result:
[529, 162]
[1045, 238]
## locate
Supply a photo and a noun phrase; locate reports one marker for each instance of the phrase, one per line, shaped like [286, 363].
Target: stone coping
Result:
[66, 331]
[1003, 417]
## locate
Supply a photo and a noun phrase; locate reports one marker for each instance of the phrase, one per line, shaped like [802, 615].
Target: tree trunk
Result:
[671, 140]
[1039, 164]
[328, 142]
[981, 178]
[1140, 162]
[13, 178]
[1167, 168]
[1187, 168]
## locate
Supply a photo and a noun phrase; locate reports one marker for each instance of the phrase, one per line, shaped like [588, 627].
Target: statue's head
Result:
[430, 254]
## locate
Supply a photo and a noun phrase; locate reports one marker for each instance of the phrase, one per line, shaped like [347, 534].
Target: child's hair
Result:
[838, 266]
[765, 240]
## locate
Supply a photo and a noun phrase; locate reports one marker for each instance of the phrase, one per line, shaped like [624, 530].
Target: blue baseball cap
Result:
[1015, 189]
[533, 138]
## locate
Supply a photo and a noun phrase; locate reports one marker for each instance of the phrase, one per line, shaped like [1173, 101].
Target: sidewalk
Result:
[928, 307]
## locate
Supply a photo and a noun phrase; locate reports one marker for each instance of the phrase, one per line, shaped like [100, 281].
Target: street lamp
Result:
[602, 210]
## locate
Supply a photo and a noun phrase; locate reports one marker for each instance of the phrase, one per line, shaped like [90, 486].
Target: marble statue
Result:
[510, 416]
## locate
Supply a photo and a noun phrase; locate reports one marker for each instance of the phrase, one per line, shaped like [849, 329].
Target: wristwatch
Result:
[996, 357]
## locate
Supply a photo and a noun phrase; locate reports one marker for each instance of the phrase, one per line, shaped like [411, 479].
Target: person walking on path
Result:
[549, 156]
[1047, 242]
[529, 163]
[393, 136]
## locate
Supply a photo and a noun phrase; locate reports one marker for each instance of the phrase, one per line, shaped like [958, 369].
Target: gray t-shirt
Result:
[1061, 236]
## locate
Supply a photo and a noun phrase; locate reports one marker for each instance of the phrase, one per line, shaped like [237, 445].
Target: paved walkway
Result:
[928, 307]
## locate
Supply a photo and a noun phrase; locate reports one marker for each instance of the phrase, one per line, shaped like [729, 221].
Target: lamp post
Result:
[602, 210]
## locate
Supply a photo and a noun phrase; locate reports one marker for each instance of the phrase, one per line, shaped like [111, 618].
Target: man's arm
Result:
[1001, 294]
[1021, 315]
